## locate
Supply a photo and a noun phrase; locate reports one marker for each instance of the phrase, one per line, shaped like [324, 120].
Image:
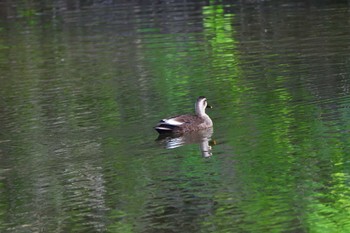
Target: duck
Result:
[187, 123]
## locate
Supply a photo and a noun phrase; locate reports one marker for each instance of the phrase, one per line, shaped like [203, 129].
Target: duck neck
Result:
[200, 111]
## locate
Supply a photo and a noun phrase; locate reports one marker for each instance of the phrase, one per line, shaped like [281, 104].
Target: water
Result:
[82, 85]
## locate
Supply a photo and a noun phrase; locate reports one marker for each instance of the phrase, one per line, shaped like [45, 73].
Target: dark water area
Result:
[83, 83]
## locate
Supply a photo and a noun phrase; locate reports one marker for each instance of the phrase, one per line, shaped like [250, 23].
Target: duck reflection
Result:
[201, 137]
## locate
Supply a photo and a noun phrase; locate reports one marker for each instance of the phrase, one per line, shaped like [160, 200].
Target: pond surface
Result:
[82, 85]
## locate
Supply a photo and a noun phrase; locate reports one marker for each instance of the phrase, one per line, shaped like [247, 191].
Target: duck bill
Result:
[209, 106]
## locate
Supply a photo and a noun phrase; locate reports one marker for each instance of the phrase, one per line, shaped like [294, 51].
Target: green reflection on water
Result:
[282, 166]
[275, 197]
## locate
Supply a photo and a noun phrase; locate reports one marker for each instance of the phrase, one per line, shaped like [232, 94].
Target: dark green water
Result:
[82, 85]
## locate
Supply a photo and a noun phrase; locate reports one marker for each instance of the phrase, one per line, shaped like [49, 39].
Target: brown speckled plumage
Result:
[186, 123]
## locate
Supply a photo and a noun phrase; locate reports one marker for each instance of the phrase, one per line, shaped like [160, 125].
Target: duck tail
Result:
[164, 128]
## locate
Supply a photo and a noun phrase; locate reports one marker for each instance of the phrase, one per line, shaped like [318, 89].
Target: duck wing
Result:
[169, 124]
[181, 119]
